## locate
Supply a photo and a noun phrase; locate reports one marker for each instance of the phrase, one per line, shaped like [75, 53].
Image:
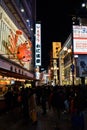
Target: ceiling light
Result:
[83, 5]
[22, 10]
[27, 20]
[31, 29]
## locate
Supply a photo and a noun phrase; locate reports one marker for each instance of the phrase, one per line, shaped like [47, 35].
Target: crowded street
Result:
[15, 121]
[48, 116]
[43, 65]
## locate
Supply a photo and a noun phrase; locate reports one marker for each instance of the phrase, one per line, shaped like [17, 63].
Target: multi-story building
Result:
[17, 20]
[73, 56]
[65, 63]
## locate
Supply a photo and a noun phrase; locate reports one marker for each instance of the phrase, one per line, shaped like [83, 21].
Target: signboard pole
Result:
[72, 60]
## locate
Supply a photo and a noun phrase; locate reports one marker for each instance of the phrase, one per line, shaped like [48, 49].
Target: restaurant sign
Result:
[38, 45]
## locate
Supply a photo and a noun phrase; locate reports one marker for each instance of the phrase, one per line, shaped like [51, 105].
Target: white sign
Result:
[80, 39]
[38, 45]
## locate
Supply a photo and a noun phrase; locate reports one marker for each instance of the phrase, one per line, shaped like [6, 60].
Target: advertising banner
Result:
[79, 39]
[82, 65]
[38, 45]
[56, 49]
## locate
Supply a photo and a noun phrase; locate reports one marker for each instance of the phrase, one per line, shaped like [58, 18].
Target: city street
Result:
[14, 121]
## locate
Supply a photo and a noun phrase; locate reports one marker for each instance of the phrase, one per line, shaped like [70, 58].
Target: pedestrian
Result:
[8, 99]
[25, 105]
[43, 100]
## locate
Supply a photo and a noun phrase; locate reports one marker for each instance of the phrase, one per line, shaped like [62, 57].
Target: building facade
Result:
[17, 20]
[73, 57]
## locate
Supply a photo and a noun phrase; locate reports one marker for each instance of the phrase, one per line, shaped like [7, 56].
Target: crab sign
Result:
[13, 39]
[22, 51]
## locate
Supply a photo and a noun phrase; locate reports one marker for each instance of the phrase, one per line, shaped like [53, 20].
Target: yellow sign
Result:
[56, 49]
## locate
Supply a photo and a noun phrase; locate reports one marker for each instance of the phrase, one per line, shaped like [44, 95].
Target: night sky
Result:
[56, 23]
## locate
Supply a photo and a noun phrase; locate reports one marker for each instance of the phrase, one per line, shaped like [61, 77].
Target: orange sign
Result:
[56, 49]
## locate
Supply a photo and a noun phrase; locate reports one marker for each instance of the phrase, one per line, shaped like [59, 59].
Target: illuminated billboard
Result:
[56, 49]
[38, 45]
[79, 39]
[82, 65]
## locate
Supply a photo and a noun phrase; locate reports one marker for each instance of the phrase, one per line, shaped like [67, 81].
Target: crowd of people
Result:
[68, 99]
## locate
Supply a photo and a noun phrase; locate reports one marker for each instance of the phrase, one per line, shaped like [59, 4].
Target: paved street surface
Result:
[14, 121]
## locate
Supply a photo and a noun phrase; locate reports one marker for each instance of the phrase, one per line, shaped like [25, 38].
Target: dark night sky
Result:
[56, 22]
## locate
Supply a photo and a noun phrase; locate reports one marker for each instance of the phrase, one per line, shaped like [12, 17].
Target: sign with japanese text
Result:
[38, 45]
[56, 49]
[80, 39]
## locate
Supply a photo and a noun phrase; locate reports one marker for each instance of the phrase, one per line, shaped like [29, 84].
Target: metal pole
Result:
[72, 58]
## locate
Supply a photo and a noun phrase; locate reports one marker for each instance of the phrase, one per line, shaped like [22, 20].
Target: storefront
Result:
[16, 53]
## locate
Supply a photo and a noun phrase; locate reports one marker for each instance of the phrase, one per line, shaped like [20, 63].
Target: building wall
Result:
[65, 63]
[6, 24]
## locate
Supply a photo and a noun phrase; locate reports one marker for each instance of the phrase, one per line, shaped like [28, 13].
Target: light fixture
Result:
[22, 10]
[51, 68]
[69, 50]
[83, 5]
[27, 20]
[65, 48]
[54, 68]
[76, 56]
[31, 29]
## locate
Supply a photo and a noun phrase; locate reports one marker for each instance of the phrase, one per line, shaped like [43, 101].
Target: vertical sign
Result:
[56, 49]
[38, 45]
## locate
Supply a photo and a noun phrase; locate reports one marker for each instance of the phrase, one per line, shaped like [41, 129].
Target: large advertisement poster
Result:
[82, 65]
[79, 39]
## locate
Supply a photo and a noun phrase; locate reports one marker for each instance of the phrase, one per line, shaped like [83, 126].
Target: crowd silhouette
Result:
[60, 99]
